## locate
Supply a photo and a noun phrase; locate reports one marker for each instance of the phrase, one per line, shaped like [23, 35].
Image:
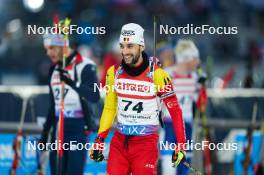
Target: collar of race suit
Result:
[135, 71]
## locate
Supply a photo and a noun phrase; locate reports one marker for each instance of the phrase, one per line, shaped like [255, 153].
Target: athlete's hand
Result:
[202, 79]
[65, 76]
[177, 157]
[96, 153]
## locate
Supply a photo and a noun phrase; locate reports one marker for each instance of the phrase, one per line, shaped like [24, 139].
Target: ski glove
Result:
[97, 150]
[65, 76]
[177, 157]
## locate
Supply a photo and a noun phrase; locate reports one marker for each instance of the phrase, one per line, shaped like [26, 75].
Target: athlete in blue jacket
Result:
[79, 76]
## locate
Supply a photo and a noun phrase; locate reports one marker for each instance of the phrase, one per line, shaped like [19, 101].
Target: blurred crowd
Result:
[229, 60]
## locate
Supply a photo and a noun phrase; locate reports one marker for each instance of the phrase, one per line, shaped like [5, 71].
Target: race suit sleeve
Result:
[165, 91]
[86, 88]
[110, 105]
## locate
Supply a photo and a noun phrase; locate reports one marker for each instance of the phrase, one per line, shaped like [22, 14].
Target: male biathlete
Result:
[186, 77]
[139, 86]
[79, 76]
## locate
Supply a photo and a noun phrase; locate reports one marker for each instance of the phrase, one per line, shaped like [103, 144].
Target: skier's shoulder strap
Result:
[154, 64]
[117, 70]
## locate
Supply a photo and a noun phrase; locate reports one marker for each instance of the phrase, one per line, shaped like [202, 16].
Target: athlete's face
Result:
[131, 53]
[55, 53]
[192, 64]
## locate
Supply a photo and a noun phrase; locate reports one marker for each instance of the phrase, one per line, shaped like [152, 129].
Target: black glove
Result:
[97, 150]
[97, 155]
[65, 76]
[202, 79]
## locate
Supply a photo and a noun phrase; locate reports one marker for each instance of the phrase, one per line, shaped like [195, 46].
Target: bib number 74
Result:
[137, 107]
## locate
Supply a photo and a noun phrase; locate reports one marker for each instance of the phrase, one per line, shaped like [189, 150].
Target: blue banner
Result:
[28, 163]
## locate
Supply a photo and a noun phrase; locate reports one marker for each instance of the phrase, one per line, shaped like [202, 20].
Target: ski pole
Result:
[190, 167]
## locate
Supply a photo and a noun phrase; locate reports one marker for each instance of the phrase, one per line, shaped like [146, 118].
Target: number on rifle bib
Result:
[57, 93]
[138, 107]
